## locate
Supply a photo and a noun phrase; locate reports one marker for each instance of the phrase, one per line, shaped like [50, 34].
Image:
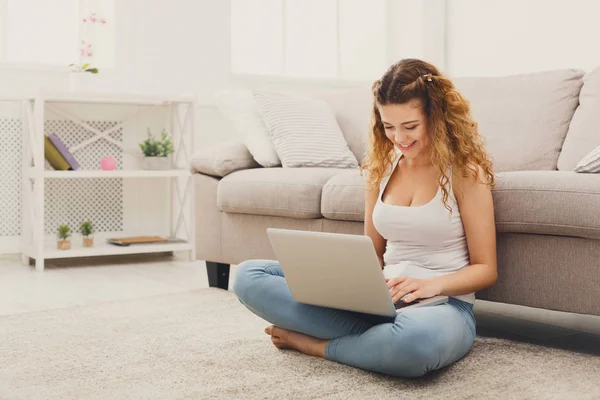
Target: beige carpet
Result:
[205, 344]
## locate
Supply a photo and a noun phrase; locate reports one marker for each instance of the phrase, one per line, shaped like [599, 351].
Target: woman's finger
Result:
[406, 283]
[391, 282]
[402, 292]
[410, 297]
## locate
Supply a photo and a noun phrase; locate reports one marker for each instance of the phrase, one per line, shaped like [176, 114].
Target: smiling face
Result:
[405, 126]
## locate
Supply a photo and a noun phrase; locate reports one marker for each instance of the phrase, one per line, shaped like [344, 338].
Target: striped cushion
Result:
[590, 163]
[304, 131]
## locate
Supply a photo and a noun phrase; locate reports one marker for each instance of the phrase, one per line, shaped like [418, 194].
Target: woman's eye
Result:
[387, 127]
[411, 128]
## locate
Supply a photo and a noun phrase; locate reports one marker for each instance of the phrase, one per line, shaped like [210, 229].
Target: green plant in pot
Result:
[86, 228]
[82, 77]
[157, 151]
[63, 233]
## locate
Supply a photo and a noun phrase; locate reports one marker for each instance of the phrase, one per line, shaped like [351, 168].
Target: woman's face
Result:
[405, 126]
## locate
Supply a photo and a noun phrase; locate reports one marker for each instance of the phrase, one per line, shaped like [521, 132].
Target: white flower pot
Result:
[155, 163]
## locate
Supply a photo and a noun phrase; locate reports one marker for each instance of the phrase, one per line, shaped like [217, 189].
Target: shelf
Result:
[176, 187]
[115, 174]
[114, 98]
[102, 248]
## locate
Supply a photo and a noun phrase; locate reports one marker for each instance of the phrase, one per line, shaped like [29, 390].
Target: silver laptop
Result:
[338, 271]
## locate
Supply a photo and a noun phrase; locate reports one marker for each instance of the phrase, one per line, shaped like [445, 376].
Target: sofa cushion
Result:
[545, 202]
[222, 159]
[304, 131]
[548, 202]
[590, 163]
[344, 197]
[282, 192]
[524, 118]
[239, 107]
[352, 109]
[584, 131]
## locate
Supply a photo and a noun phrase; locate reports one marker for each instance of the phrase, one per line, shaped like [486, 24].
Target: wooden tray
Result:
[126, 241]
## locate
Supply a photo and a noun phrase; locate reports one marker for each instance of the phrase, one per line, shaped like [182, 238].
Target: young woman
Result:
[429, 212]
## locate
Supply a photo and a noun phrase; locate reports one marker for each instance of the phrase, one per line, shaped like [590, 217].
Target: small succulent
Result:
[64, 232]
[162, 147]
[86, 228]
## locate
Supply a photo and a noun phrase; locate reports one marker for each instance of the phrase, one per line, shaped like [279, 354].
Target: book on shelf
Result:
[55, 159]
[62, 149]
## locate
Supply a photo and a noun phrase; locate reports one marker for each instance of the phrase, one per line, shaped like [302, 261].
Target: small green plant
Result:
[86, 228]
[64, 232]
[161, 147]
[83, 68]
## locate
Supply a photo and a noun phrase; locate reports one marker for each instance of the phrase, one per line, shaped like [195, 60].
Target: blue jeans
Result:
[418, 340]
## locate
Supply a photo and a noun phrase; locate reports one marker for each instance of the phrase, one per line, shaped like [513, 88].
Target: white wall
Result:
[172, 46]
[183, 45]
[488, 37]
[179, 46]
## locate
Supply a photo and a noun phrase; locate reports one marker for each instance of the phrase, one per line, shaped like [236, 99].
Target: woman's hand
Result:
[413, 288]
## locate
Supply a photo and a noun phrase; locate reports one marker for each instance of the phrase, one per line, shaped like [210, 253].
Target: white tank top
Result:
[422, 241]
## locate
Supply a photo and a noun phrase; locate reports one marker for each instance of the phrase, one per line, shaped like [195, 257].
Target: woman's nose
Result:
[399, 137]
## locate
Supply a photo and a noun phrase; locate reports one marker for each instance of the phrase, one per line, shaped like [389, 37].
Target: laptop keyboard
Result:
[401, 304]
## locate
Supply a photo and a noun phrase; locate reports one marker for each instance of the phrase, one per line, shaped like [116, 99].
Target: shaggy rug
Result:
[205, 344]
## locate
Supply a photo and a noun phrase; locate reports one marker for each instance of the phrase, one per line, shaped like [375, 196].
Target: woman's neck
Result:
[419, 163]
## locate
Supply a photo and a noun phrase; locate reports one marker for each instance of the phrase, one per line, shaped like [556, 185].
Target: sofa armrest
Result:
[222, 159]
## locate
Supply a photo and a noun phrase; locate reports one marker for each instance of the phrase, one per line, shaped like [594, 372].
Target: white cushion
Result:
[590, 163]
[304, 131]
[239, 107]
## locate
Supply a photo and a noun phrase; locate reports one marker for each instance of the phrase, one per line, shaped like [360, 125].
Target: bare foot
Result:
[286, 339]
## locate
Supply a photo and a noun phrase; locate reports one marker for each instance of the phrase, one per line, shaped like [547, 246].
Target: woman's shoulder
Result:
[465, 179]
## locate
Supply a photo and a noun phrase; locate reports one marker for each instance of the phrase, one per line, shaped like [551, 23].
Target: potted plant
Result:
[63, 242]
[156, 151]
[86, 228]
[81, 77]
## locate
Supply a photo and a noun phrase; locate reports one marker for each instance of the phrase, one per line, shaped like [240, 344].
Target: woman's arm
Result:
[477, 212]
[371, 197]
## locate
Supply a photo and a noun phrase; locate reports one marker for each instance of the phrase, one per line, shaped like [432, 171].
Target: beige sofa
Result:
[538, 126]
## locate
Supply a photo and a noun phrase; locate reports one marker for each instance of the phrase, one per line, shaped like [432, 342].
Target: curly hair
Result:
[454, 136]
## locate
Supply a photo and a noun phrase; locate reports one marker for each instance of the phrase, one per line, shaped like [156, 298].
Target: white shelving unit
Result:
[35, 243]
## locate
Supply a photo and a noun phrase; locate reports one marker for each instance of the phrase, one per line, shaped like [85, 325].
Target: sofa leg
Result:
[218, 274]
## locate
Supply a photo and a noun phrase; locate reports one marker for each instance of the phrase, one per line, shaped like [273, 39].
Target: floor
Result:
[76, 282]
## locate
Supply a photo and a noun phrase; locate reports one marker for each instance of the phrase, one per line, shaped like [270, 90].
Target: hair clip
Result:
[428, 77]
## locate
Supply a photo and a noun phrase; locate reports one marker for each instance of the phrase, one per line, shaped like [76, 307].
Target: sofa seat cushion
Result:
[561, 203]
[281, 192]
[544, 202]
[344, 197]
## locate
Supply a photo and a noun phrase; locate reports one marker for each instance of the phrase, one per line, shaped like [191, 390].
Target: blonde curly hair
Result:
[454, 136]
